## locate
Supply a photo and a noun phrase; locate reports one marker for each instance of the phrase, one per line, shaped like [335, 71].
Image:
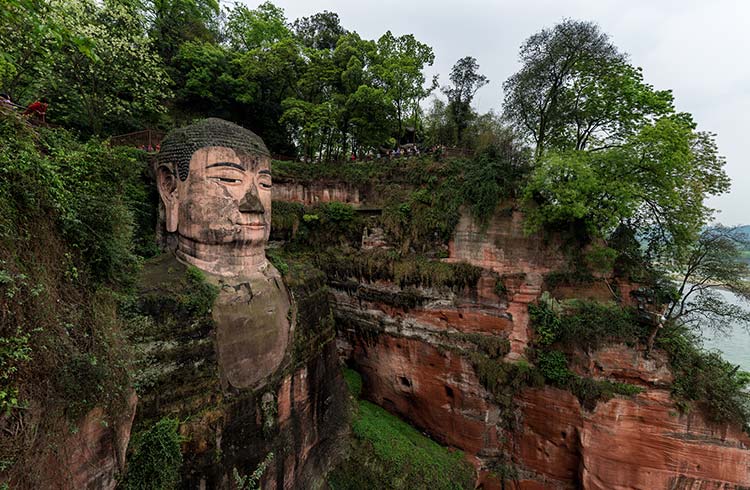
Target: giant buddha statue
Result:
[214, 180]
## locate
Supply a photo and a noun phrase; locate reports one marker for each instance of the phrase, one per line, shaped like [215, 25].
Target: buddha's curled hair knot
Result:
[179, 145]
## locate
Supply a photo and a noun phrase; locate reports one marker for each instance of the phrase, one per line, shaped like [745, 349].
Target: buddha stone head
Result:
[214, 179]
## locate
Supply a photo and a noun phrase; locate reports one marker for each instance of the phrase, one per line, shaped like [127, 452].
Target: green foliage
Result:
[67, 230]
[575, 90]
[554, 366]
[103, 75]
[83, 380]
[277, 261]
[352, 172]
[14, 352]
[252, 481]
[504, 380]
[199, 296]
[590, 391]
[415, 271]
[285, 219]
[249, 29]
[387, 452]
[705, 378]
[399, 68]
[585, 325]
[496, 173]
[156, 460]
[500, 288]
[353, 382]
[466, 81]
[646, 181]
[589, 324]
[547, 323]
[328, 223]
[493, 346]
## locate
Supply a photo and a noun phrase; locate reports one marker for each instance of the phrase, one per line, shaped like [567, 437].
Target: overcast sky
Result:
[699, 49]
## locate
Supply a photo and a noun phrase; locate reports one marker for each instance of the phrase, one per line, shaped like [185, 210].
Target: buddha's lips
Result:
[253, 226]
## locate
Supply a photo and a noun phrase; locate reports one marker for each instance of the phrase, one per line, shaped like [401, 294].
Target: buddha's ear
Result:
[166, 182]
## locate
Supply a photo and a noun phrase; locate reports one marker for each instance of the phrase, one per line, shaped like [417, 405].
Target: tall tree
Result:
[319, 31]
[249, 29]
[399, 71]
[711, 262]
[115, 86]
[173, 22]
[576, 90]
[656, 183]
[466, 82]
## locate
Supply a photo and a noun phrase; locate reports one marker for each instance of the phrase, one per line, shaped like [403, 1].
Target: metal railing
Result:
[148, 138]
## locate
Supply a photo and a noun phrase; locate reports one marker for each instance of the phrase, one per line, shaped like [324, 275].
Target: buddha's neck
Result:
[222, 260]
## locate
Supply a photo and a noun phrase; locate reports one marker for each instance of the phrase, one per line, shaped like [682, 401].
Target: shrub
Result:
[285, 219]
[590, 391]
[413, 271]
[584, 324]
[702, 376]
[547, 324]
[71, 214]
[156, 460]
[588, 324]
[554, 367]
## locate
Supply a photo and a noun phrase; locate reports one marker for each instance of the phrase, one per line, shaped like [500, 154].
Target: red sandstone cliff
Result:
[413, 366]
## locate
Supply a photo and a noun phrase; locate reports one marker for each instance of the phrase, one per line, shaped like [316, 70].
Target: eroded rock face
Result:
[94, 456]
[316, 192]
[416, 363]
[628, 443]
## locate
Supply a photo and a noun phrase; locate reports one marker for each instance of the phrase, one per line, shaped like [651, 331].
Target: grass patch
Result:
[389, 453]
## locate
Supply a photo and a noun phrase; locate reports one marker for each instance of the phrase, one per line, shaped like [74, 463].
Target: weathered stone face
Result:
[214, 179]
[226, 200]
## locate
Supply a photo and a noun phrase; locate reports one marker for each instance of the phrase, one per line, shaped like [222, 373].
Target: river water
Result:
[735, 346]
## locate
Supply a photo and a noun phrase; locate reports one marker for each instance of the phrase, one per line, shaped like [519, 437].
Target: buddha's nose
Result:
[250, 202]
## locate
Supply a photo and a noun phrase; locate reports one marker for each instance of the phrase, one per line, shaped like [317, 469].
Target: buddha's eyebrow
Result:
[226, 164]
[267, 172]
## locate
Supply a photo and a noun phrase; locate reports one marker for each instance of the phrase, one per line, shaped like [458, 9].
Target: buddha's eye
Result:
[264, 181]
[227, 180]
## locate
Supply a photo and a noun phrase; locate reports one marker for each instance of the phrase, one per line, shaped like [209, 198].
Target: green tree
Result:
[249, 29]
[398, 69]
[711, 262]
[576, 90]
[266, 77]
[655, 183]
[466, 82]
[371, 110]
[115, 86]
[319, 31]
[30, 36]
[206, 81]
[171, 23]
[438, 125]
